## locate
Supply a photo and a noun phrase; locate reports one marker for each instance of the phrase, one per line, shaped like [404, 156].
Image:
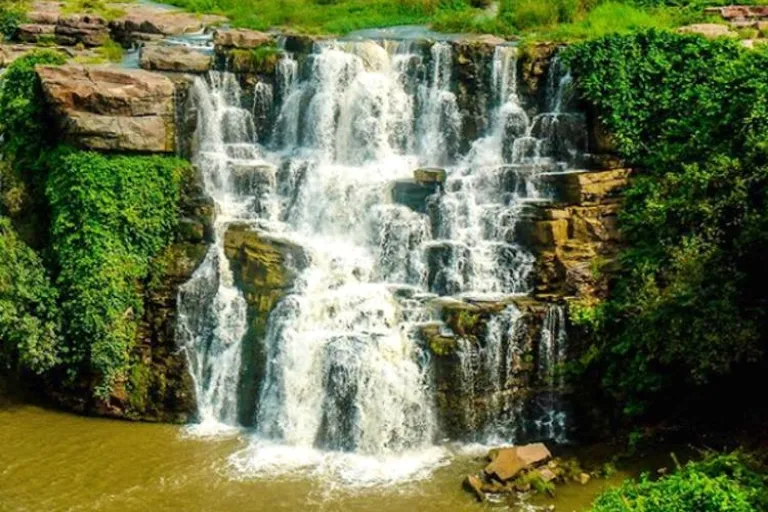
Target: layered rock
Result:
[580, 233]
[109, 109]
[264, 268]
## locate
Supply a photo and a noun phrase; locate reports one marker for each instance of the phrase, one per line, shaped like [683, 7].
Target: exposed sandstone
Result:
[174, 58]
[110, 109]
[243, 39]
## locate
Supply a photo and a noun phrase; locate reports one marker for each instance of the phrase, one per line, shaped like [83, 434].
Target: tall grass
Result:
[536, 19]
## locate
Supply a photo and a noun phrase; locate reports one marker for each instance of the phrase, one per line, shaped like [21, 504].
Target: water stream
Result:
[347, 386]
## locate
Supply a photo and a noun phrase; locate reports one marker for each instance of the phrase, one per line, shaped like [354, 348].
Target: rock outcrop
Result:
[577, 234]
[110, 109]
[264, 268]
[506, 463]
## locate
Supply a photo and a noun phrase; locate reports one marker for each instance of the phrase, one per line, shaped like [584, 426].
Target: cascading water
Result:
[345, 372]
[553, 345]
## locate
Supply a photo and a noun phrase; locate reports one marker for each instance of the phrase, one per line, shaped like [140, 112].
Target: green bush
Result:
[29, 316]
[23, 126]
[691, 114]
[110, 216]
[11, 16]
[723, 483]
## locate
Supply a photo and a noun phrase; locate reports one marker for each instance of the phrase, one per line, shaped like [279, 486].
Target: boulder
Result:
[242, 39]
[709, 30]
[428, 176]
[506, 463]
[111, 109]
[174, 58]
[374, 56]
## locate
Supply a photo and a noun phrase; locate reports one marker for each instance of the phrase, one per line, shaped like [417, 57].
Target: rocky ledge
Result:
[109, 109]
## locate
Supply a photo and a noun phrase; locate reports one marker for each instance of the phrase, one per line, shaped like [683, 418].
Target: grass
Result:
[331, 16]
[555, 20]
[99, 7]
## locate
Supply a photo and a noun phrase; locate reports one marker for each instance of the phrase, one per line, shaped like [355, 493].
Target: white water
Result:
[347, 387]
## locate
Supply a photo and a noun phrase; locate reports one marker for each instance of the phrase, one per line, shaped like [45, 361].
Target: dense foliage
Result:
[721, 483]
[22, 123]
[11, 15]
[692, 114]
[110, 216]
[29, 316]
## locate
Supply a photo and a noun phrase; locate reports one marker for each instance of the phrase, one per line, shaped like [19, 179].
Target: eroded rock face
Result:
[264, 268]
[174, 58]
[571, 237]
[111, 109]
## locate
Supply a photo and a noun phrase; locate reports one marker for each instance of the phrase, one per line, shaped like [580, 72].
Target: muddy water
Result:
[53, 461]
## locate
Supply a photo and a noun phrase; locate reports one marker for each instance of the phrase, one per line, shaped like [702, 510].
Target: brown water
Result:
[53, 461]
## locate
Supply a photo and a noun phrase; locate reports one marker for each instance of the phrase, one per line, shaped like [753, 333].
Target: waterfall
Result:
[212, 311]
[553, 346]
[346, 380]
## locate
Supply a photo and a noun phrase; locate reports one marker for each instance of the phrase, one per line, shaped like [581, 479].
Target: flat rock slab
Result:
[174, 58]
[242, 39]
[506, 463]
[111, 109]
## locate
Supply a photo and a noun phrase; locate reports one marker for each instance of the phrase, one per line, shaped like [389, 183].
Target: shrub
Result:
[110, 216]
[23, 127]
[691, 113]
[29, 316]
[11, 16]
[722, 483]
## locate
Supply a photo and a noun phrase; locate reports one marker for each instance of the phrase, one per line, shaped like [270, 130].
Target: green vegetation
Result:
[692, 114]
[29, 316]
[720, 483]
[11, 15]
[110, 216]
[106, 10]
[561, 20]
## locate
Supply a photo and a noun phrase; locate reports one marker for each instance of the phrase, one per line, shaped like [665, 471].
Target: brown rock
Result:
[111, 109]
[174, 58]
[428, 176]
[241, 38]
[584, 478]
[506, 463]
[31, 33]
[475, 485]
[546, 474]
